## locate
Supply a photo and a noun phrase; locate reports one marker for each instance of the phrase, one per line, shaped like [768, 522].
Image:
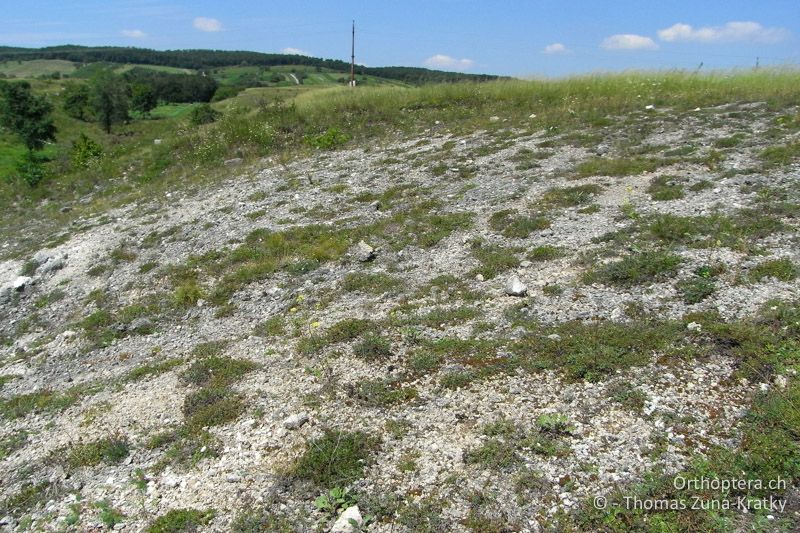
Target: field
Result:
[463, 307]
[36, 68]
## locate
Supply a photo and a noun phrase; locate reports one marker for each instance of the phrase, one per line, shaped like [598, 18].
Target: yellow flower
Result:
[315, 324]
[293, 310]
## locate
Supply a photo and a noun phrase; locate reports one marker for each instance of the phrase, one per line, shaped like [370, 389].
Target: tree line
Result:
[208, 59]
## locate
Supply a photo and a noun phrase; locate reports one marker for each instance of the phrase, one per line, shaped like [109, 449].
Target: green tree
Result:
[109, 99]
[143, 98]
[76, 100]
[26, 115]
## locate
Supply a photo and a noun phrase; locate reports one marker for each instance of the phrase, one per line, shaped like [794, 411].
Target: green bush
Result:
[331, 139]
[203, 114]
[85, 152]
[31, 170]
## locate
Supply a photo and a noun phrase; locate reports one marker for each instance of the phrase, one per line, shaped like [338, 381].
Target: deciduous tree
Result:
[26, 115]
[109, 99]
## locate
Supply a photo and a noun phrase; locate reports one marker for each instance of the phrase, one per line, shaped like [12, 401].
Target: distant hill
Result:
[208, 59]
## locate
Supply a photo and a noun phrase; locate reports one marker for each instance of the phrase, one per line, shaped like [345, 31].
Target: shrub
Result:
[85, 152]
[203, 114]
[330, 140]
[31, 170]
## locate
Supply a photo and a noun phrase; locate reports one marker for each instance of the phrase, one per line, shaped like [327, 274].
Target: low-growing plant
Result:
[664, 188]
[212, 406]
[110, 450]
[569, 196]
[332, 138]
[383, 393]
[544, 253]
[337, 458]
[493, 259]
[630, 166]
[782, 269]
[635, 269]
[272, 327]
[181, 521]
[109, 516]
[373, 347]
[217, 371]
[511, 224]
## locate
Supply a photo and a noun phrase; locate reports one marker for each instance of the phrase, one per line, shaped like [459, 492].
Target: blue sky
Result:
[509, 37]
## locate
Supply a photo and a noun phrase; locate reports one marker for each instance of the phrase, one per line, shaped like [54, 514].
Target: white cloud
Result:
[629, 41]
[134, 34]
[555, 48]
[294, 51]
[207, 24]
[732, 31]
[443, 61]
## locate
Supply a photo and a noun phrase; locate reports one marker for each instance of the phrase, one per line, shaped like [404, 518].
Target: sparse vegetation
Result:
[635, 269]
[510, 223]
[663, 188]
[337, 458]
[334, 366]
[180, 521]
[109, 450]
[782, 269]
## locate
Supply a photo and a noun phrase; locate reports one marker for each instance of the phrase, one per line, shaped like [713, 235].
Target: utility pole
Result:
[353, 58]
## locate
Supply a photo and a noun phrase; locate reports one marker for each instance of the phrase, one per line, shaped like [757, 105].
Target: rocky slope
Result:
[386, 328]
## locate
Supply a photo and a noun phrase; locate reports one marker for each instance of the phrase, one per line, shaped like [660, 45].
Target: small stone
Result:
[650, 107]
[532, 115]
[41, 257]
[55, 263]
[157, 141]
[172, 481]
[233, 478]
[233, 162]
[479, 277]
[20, 283]
[780, 381]
[343, 524]
[515, 287]
[494, 118]
[694, 326]
[65, 209]
[364, 252]
[525, 264]
[295, 421]
[376, 205]
[554, 337]
[141, 325]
